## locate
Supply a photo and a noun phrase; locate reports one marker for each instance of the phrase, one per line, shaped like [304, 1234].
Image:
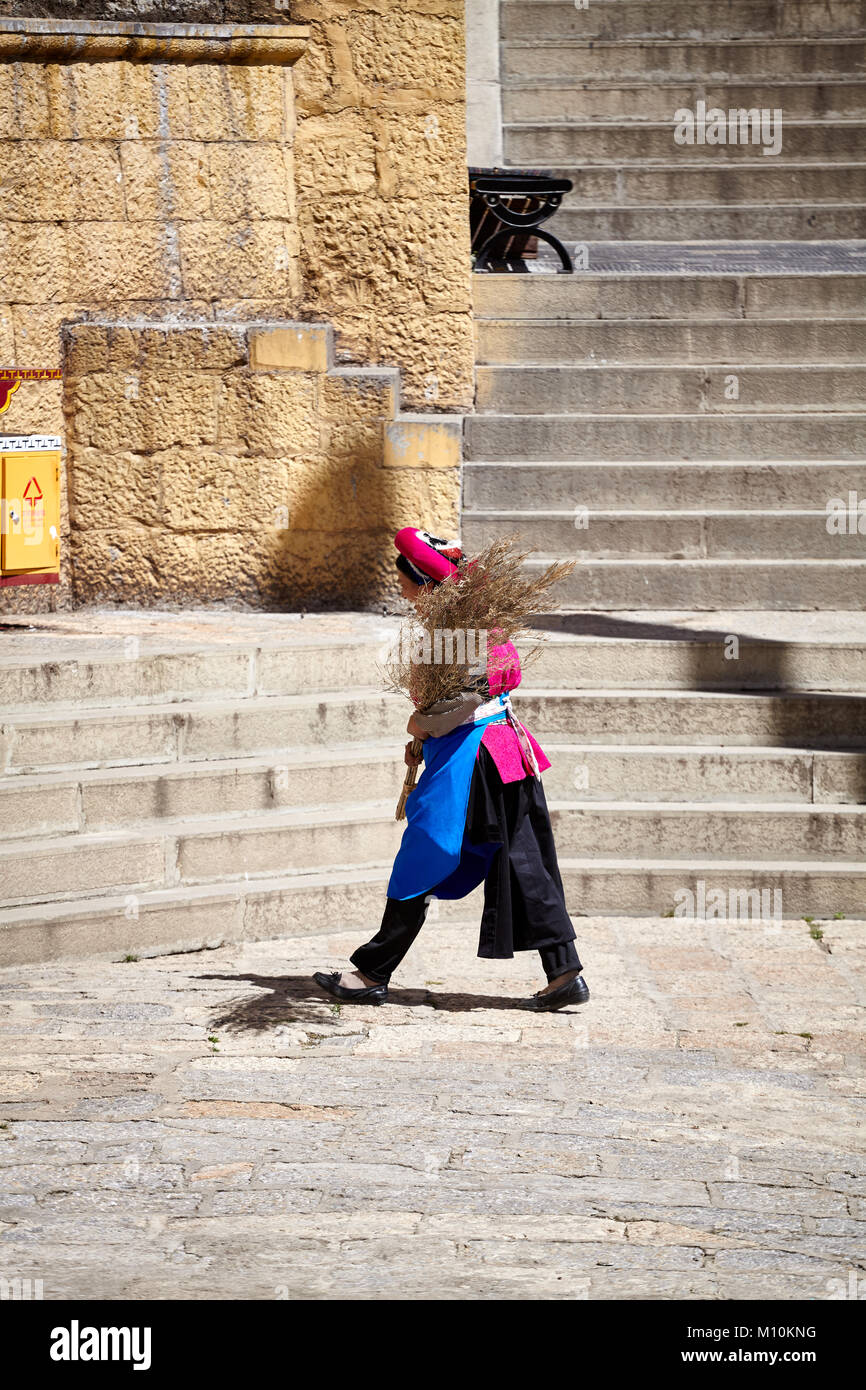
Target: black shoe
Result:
[575, 991]
[373, 994]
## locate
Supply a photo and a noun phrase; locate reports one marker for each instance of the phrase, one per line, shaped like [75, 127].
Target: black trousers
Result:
[401, 923]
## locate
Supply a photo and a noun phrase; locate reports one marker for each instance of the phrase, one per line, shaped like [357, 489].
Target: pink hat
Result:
[426, 559]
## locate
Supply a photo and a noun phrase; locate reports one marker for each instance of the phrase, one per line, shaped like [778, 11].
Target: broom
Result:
[491, 593]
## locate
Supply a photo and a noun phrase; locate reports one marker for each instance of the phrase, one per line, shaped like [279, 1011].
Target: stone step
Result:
[75, 804]
[695, 830]
[190, 919]
[524, 342]
[787, 585]
[538, 143]
[195, 851]
[582, 100]
[820, 720]
[657, 650]
[675, 535]
[685, 774]
[187, 919]
[643, 887]
[607, 295]
[537, 438]
[670, 389]
[64, 742]
[705, 181]
[44, 672]
[163, 734]
[667, 60]
[697, 20]
[204, 851]
[140, 663]
[699, 222]
[724, 650]
[659, 485]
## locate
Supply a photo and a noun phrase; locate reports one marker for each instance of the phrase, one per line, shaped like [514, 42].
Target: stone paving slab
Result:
[208, 1125]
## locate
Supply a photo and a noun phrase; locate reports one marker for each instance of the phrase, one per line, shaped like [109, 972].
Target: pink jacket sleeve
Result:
[503, 667]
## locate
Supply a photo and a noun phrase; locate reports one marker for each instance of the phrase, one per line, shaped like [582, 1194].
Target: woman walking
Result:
[479, 812]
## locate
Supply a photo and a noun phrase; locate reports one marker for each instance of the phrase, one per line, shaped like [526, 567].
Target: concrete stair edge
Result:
[199, 918]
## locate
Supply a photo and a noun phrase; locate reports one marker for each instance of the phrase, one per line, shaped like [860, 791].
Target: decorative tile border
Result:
[21, 443]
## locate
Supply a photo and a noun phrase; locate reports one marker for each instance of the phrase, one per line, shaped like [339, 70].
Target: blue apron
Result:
[433, 856]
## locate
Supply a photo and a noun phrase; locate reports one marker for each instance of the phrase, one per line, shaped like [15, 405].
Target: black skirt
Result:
[524, 901]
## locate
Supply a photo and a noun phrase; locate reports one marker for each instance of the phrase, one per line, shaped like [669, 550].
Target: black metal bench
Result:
[507, 208]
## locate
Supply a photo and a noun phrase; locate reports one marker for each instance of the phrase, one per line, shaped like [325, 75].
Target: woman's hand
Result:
[413, 729]
[412, 759]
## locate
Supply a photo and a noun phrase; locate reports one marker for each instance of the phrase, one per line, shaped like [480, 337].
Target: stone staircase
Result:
[687, 405]
[174, 781]
[612, 437]
[178, 781]
[677, 415]
[593, 93]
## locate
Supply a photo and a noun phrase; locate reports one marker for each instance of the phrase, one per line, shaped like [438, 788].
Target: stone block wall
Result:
[382, 192]
[135, 188]
[171, 186]
[236, 463]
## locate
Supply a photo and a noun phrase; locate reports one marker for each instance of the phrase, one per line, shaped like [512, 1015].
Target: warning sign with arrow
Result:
[34, 511]
[30, 549]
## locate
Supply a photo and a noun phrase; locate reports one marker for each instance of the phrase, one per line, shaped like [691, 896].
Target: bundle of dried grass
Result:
[439, 653]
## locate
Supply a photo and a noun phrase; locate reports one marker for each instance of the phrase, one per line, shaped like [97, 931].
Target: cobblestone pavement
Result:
[209, 1126]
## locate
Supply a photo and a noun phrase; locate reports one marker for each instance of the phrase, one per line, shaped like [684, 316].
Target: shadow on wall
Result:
[227, 463]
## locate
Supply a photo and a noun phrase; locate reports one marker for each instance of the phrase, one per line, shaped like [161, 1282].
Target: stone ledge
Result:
[411, 440]
[103, 41]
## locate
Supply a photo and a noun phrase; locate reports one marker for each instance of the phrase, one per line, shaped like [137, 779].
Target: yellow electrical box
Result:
[29, 509]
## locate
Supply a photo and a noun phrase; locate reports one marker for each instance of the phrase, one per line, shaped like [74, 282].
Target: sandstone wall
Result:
[178, 192]
[382, 197]
[136, 189]
[239, 464]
